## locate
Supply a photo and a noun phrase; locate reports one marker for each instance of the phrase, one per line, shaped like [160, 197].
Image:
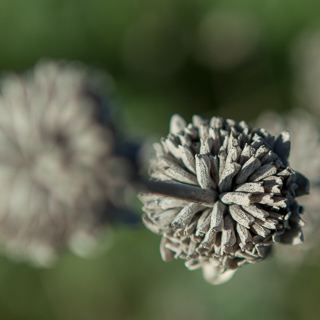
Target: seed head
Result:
[61, 171]
[253, 202]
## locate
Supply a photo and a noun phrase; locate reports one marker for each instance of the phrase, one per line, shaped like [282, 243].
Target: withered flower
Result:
[62, 174]
[238, 195]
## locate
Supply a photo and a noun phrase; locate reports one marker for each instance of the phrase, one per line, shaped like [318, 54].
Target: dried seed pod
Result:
[63, 170]
[253, 196]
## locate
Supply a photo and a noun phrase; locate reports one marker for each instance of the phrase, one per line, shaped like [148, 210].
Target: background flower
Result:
[64, 173]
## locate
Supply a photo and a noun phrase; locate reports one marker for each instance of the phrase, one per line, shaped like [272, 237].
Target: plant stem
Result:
[181, 191]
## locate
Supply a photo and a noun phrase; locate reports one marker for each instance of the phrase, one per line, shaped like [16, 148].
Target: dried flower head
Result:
[305, 154]
[62, 175]
[250, 195]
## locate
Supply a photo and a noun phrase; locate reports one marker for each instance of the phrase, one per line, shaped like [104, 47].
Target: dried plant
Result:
[305, 154]
[63, 175]
[237, 195]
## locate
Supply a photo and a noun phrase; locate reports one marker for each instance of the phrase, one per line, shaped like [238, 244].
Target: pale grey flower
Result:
[61, 173]
[305, 154]
[250, 195]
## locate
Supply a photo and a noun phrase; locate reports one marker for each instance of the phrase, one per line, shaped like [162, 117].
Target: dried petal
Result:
[229, 172]
[164, 218]
[240, 198]
[166, 254]
[244, 234]
[187, 158]
[282, 146]
[177, 124]
[251, 187]
[228, 238]
[261, 231]
[208, 240]
[186, 214]
[203, 166]
[217, 216]
[247, 152]
[256, 211]
[203, 223]
[241, 216]
[181, 175]
[263, 172]
[247, 169]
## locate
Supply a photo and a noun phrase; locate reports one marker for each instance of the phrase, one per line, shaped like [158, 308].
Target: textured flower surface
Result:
[304, 156]
[252, 188]
[61, 173]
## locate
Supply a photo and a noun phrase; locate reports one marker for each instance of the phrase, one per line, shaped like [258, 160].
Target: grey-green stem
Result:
[206, 197]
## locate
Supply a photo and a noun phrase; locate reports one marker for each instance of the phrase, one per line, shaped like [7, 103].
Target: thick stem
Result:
[181, 191]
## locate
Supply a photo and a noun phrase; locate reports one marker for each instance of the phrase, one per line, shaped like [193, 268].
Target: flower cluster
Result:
[252, 188]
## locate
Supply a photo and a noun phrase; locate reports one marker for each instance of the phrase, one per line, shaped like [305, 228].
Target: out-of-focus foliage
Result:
[168, 54]
[228, 58]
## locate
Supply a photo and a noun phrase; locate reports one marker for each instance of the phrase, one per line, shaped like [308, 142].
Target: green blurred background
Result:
[227, 58]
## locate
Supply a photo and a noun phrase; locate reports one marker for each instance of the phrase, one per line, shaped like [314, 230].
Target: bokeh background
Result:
[229, 58]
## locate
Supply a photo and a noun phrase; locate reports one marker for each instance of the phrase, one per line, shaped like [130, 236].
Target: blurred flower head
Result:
[63, 176]
[253, 202]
